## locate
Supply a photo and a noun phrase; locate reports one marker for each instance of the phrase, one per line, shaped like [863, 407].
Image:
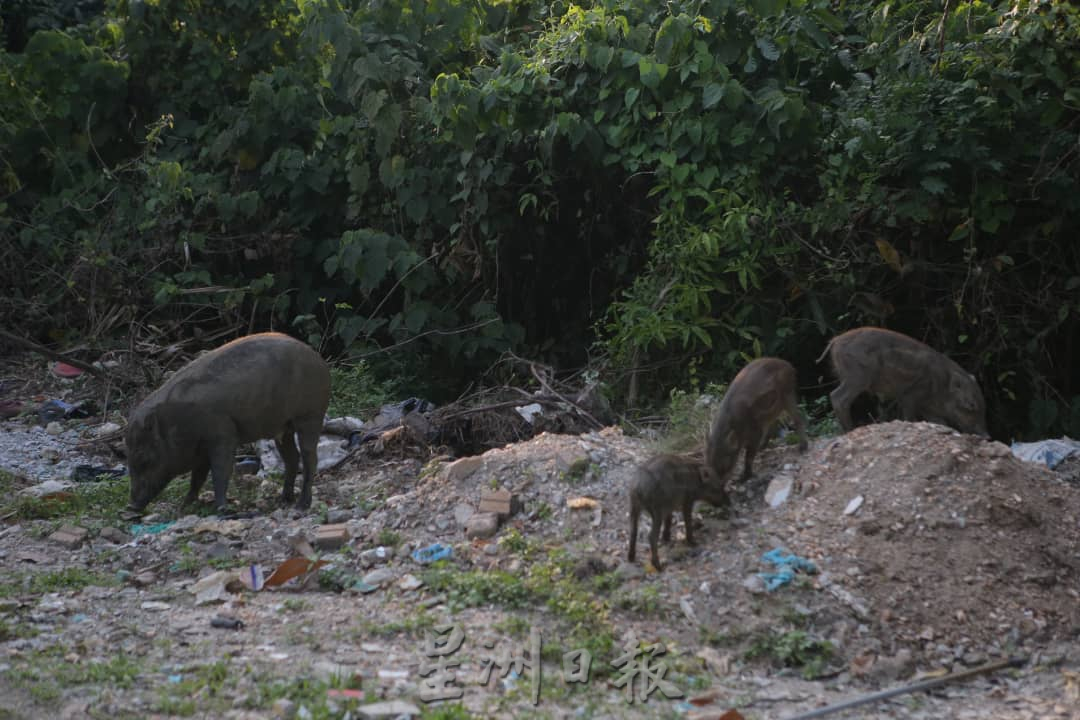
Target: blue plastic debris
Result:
[1048, 452]
[149, 529]
[431, 553]
[786, 566]
[175, 679]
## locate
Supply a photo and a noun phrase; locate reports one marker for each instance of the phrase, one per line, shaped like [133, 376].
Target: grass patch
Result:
[355, 388]
[199, 690]
[72, 578]
[457, 711]
[578, 470]
[388, 538]
[414, 625]
[644, 600]
[794, 649]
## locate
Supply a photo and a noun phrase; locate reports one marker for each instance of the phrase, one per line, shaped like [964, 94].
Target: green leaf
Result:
[768, 49]
[711, 95]
[934, 185]
[631, 96]
[652, 73]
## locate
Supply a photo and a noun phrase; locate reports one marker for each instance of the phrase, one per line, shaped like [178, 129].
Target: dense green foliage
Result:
[673, 186]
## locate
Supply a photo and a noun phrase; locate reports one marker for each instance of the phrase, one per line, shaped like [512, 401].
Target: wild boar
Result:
[926, 384]
[667, 483]
[761, 392]
[260, 386]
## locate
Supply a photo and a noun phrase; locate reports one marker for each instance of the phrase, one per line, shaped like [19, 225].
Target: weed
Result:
[188, 561]
[472, 589]
[355, 388]
[688, 417]
[294, 605]
[645, 600]
[388, 538]
[794, 648]
[72, 578]
[516, 626]
[544, 512]
[514, 541]
[577, 471]
[456, 711]
[412, 625]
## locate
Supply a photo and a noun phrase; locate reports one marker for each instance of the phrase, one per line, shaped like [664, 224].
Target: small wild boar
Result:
[667, 483]
[756, 398]
[260, 386]
[926, 384]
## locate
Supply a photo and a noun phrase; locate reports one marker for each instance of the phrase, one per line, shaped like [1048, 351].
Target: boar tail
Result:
[825, 352]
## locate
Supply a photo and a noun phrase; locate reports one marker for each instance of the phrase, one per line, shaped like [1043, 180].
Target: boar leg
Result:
[687, 509]
[841, 398]
[751, 450]
[666, 537]
[654, 536]
[222, 457]
[286, 447]
[799, 420]
[308, 431]
[635, 511]
[198, 479]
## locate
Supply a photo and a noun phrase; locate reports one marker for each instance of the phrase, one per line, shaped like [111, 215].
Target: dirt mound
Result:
[942, 540]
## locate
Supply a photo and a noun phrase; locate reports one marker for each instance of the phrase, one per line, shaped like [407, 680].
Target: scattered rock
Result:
[46, 488]
[462, 513]
[54, 428]
[389, 708]
[482, 525]
[458, 470]
[376, 578]
[70, 536]
[500, 502]
[854, 505]
[114, 535]
[331, 537]
[629, 571]
[409, 582]
[779, 490]
[283, 709]
[337, 517]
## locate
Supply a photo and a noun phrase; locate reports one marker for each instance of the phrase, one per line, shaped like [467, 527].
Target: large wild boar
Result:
[926, 384]
[667, 483]
[260, 386]
[761, 392]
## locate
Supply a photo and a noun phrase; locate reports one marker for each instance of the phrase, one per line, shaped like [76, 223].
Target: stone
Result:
[500, 502]
[854, 505]
[46, 488]
[376, 578]
[463, 468]
[482, 525]
[409, 582]
[331, 537]
[389, 709]
[337, 517]
[462, 513]
[114, 535]
[54, 428]
[70, 536]
[283, 709]
[376, 556]
[779, 490]
[629, 571]
[220, 551]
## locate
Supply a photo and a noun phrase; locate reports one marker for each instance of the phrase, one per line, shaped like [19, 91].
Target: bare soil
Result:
[957, 554]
